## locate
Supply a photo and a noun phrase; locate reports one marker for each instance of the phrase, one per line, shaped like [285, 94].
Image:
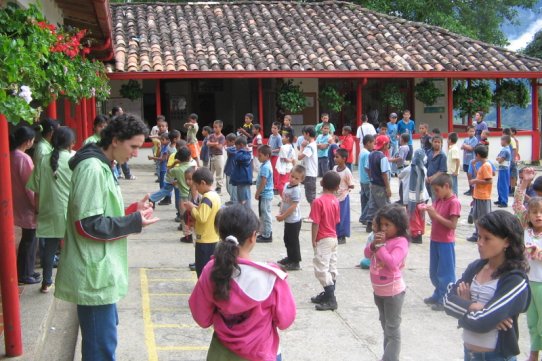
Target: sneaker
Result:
[318, 298]
[186, 239]
[29, 280]
[262, 239]
[437, 307]
[45, 288]
[327, 305]
[417, 239]
[177, 219]
[283, 261]
[502, 205]
[292, 266]
[468, 193]
[192, 266]
[369, 228]
[472, 239]
[341, 240]
[132, 177]
[430, 301]
[470, 219]
[164, 202]
[496, 203]
[120, 176]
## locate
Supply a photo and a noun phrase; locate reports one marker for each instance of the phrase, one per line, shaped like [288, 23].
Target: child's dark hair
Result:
[183, 155]
[207, 128]
[299, 169]
[436, 137]
[218, 122]
[368, 138]
[343, 153]
[160, 118]
[231, 137]
[180, 143]
[481, 114]
[203, 175]
[62, 139]
[441, 180]
[277, 124]
[100, 120]
[21, 135]
[505, 225]
[534, 204]
[174, 134]
[331, 181]
[164, 136]
[46, 126]
[324, 115]
[436, 131]
[241, 140]
[348, 128]
[397, 215]
[249, 115]
[193, 116]
[452, 137]
[115, 111]
[189, 170]
[256, 126]
[506, 131]
[469, 127]
[122, 127]
[481, 150]
[405, 137]
[235, 225]
[513, 130]
[310, 131]
[264, 150]
[326, 125]
[506, 138]
[383, 125]
[289, 136]
[537, 184]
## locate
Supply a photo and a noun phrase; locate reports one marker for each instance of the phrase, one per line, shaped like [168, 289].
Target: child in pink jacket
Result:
[245, 301]
[388, 252]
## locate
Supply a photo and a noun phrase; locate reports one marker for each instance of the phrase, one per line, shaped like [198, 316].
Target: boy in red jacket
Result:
[348, 144]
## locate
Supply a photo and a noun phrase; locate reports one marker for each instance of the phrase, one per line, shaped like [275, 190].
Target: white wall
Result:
[423, 114]
[50, 10]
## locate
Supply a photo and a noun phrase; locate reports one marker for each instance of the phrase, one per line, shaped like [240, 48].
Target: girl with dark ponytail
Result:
[50, 182]
[46, 128]
[245, 301]
[23, 203]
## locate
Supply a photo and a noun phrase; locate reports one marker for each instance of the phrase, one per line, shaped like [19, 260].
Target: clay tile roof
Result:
[292, 36]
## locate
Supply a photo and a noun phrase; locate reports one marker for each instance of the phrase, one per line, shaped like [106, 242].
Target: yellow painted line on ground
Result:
[173, 325]
[146, 305]
[171, 280]
[182, 348]
[168, 294]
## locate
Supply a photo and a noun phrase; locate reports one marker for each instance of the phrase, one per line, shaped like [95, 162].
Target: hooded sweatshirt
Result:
[260, 301]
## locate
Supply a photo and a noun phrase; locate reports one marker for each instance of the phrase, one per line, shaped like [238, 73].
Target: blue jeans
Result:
[243, 194]
[232, 190]
[161, 177]
[264, 210]
[49, 251]
[165, 191]
[486, 356]
[454, 184]
[503, 185]
[98, 331]
[441, 267]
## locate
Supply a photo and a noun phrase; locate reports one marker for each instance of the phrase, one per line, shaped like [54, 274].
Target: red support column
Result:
[158, 94]
[260, 102]
[450, 105]
[84, 118]
[8, 267]
[469, 116]
[498, 108]
[51, 109]
[536, 130]
[359, 103]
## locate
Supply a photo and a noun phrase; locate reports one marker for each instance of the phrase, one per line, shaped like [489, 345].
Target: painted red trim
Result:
[260, 102]
[83, 233]
[106, 45]
[450, 105]
[359, 100]
[322, 74]
[8, 267]
[51, 109]
[158, 95]
[493, 132]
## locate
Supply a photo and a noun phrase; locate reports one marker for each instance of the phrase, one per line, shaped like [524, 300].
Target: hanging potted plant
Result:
[131, 90]
[41, 61]
[470, 99]
[392, 96]
[426, 92]
[511, 93]
[331, 99]
[291, 97]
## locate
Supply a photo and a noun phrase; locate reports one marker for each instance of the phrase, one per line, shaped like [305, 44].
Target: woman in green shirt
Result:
[47, 128]
[100, 122]
[50, 182]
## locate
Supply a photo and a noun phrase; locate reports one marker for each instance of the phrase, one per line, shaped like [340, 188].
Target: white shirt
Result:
[363, 130]
[311, 160]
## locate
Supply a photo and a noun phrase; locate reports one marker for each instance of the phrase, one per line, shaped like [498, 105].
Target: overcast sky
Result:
[530, 22]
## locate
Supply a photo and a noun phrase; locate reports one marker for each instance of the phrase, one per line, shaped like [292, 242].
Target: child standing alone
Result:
[387, 253]
[264, 193]
[343, 194]
[289, 213]
[245, 301]
[325, 215]
[286, 161]
[503, 181]
[444, 215]
[275, 142]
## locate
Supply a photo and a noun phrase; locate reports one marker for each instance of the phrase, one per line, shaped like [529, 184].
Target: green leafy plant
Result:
[131, 90]
[392, 96]
[43, 62]
[426, 92]
[511, 93]
[291, 97]
[331, 99]
[470, 99]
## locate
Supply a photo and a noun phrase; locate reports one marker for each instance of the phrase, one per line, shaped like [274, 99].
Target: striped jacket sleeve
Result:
[511, 297]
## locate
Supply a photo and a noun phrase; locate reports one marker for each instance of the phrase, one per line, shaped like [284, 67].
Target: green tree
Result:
[534, 48]
[478, 19]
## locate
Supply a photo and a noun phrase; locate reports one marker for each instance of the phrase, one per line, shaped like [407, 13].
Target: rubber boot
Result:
[330, 302]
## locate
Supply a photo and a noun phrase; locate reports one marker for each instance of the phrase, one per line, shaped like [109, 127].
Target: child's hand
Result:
[463, 291]
[188, 206]
[257, 196]
[380, 237]
[472, 182]
[147, 217]
[280, 217]
[430, 210]
[528, 174]
[505, 324]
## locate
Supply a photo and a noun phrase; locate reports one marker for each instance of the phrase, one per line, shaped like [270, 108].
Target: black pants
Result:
[204, 251]
[26, 255]
[291, 241]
